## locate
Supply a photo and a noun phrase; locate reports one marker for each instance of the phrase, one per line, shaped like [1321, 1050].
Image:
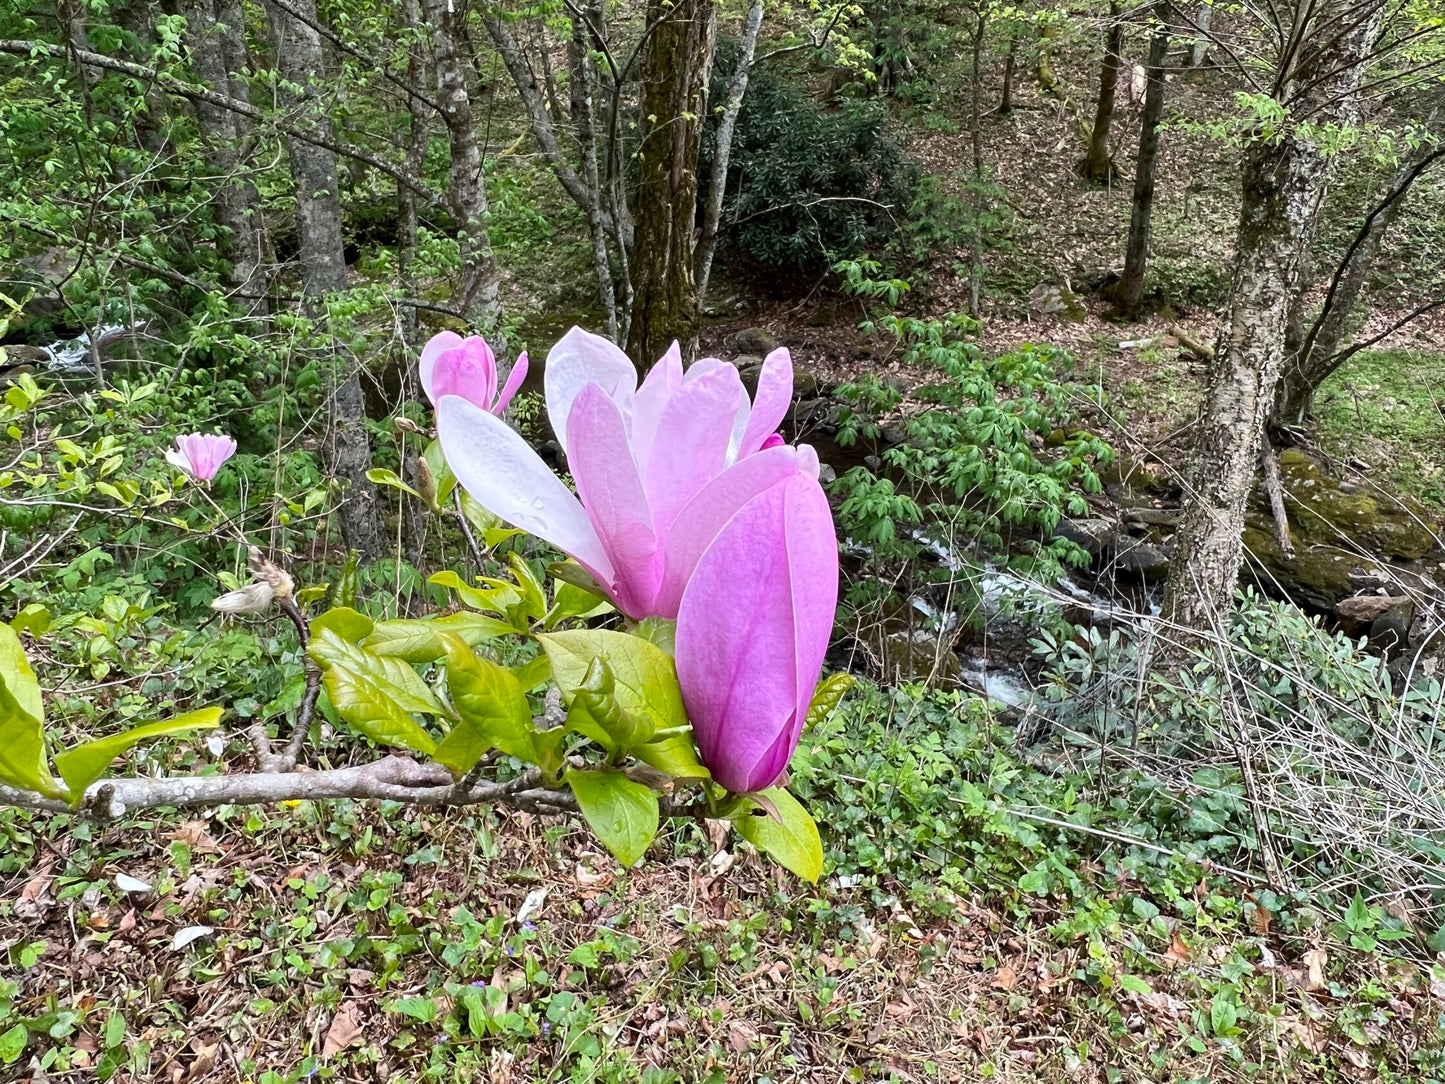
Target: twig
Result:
[1275, 489]
[467, 531]
[307, 708]
[1190, 343]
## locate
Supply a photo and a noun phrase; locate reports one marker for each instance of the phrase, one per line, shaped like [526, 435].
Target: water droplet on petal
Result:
[537, 502]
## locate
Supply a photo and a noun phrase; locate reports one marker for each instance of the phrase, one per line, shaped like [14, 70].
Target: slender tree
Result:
[1097, 165]
[1141, 213]
[300, 64]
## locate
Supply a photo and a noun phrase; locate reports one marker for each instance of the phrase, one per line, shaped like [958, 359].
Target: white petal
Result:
[507, 478]
[178, 459]
[581, 358]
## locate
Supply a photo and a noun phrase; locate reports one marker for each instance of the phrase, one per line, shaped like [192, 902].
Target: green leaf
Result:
[348, 583]
[792, 841]
[531, 674]
[646, 681]
[659, 631]
[418, 1008]
[393, 676]
[383, 477]
[83, 765]
[1133, 984]
[826, 697]
[446, 481]
[674, 755]
[624, 814]
[34, 619]
[421, 640]
[17, 676]
[533, 596]
[498, 597]
[12, 1045]
[569, 601]
[493, 710]
[367, 707]
[573, 573]
[351, 626]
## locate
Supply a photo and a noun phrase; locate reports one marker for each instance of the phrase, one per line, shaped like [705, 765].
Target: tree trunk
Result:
[1097, 166]
[975, 120]
[1006, 92]
[676, 62]
[1044, 67]
[1136, 256]
[299, 63]
[466, 193]
[1318, 354]
[1203, 19]
[235, 199]
[582, 80]
[727, 125]
[1282, 183]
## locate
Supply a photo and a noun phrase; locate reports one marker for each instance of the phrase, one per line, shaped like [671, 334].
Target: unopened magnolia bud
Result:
[406, 425]
[426, 482]
[251, 599]
[273, 574]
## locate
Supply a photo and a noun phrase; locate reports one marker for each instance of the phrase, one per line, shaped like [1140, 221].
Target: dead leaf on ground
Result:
[35, 897]
[741, 1035]
[1259, 916]
[1005, 978]
[205, 1060]
[345, 1029]
[194, 835]
[1178, 952]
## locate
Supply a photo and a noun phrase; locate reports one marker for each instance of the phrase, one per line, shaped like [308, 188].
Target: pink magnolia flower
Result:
[452, 365]
[201, 454]
[752, 630]
[658, 467]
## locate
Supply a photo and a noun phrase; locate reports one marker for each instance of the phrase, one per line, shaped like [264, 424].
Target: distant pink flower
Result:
[201, 454]
[659, 468]
[452, 365]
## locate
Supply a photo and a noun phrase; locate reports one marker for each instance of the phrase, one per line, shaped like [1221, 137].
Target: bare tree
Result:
[1318, 68]
[1097, 165]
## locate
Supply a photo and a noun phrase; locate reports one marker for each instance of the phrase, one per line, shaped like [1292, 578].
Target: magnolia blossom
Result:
[201, 454]
[658, 467]
[752, 630]
[452, 365]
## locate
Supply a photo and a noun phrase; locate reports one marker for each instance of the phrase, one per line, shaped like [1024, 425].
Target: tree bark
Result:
[466, 193]
[975, 122]
[676, 63]
[226, 143]
[300, 64]
[727, 126]
[582, 78]
[1203, 19]
[1006, 92]
[1097, 166]
[1283, 181]
[1136, 256]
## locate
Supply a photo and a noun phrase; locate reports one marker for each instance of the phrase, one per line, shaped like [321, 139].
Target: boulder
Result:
[1094, 535]
[1141, 559]
[1054, 299]
[756, 341]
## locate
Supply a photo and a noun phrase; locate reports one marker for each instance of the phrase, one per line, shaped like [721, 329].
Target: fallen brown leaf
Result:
[1178, 951]
[345, 1029]
[1005, 978]
[1315, 960]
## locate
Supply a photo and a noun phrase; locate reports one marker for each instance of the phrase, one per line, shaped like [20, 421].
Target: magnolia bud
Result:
[426, 481]
[251, 599]
[280, 583]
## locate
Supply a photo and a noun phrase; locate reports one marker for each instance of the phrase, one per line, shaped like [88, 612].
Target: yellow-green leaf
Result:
[624, 814]
[351, 626]
[493, 710]
[826, 697]
[792, 841]
[646, 680]
[416, 640]
[83, 765]
[367, 708]
[393, 676]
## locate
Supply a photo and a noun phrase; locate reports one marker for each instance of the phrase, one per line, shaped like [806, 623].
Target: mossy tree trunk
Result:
[1283, 181]
[1097, 166]
[1141, 213]
[676, 64]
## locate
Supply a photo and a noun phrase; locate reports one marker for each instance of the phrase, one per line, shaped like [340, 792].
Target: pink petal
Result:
[437, 345]
[515, 379]
[773, 441]
[702, 518]
[771, 403]
[612, 493]
[505, 476]
[468, 370]
[662, 381]
[581, 358]
[752, 630]
[692, 442]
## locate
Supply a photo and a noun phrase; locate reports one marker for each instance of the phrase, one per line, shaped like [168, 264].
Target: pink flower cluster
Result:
[689, 505]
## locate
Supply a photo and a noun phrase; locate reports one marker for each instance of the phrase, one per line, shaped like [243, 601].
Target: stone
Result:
[1142, 559]
[1324, 512]
[1153, 517]
[826, 473]
[1054, 299]
[749, 368]
[756, 341]
[1375, 616]
[1094, 535]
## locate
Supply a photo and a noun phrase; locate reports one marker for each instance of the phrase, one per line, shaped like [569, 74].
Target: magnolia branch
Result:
[393, 778]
